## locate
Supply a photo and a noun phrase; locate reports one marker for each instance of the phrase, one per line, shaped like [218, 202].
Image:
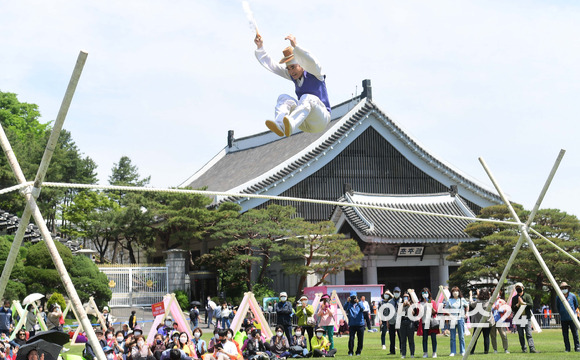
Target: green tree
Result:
[56, 298]
[95, 218]
[89, 281]
[41, 273]
[134, 225]
[254, 239]
[485, 259]
[26, 135]
[320, 251]
[28, 138]
[15, 289]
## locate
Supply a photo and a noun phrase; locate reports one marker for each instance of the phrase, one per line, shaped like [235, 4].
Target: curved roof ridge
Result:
[343, 126]
[416, 146]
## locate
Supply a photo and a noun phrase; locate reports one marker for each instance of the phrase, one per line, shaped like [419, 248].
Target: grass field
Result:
[549, 343]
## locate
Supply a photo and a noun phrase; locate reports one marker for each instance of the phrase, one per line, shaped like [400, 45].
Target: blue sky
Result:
[165, 81]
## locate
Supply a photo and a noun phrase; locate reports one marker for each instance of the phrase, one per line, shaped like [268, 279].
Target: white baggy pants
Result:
[308, 114]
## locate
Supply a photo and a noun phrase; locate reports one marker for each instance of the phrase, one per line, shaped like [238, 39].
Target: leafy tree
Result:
[320, 251]
[182, 299]
[94, 215]
[180, 219]
[28, 138]
[134, 226]
[15, 288]
[89, 281]
[56, 298]
[26, 134]
[252, 238]
[124, 173]
[41, 273]
[20, 118]
[485, 259]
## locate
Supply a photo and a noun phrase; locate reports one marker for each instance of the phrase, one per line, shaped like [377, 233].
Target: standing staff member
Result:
[356, 323]
[519, 300]
[311, 112]
[565, 318]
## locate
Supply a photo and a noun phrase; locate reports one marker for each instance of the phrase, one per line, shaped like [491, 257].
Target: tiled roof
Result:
[270, 161]
[9, 224]
[394, 227]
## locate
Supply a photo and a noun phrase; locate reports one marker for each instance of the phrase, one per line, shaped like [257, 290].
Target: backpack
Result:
[193, 314]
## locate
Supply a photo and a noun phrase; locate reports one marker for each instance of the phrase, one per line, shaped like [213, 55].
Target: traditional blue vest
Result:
[313, 86]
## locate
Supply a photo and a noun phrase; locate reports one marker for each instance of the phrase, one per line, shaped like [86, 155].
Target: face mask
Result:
[229, 336]
[119, 339]
[406, 298]
[168, 324]
[137, 333]
[283, 298]
[565, 291]
[319, 334]
[159, 342]
[298, 333]
[183, 339]
[397, 294]
[386, 296]
[425, 296]
[279, 333]
[109, 337]
[197, 335]
[140, 343]
[250, 336]
[455, 294]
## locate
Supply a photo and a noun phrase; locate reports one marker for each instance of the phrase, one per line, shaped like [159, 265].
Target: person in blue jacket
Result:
[356, 323]
[566, 319]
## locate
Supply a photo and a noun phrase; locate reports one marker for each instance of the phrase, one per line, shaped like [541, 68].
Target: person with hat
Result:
[284, 314]
[326, 314]
[566, 318]
[107, 316]
[304, 313]
[525, 300]
[395, 303]
[356, 323]
[320, 345]
[109, 353]
[311, 112]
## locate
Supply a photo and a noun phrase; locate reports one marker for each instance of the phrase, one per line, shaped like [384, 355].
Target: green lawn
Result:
[549, 343]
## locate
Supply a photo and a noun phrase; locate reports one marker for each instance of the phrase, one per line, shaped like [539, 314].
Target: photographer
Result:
[356, 323]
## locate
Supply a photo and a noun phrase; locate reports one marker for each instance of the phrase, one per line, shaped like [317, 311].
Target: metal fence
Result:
[549, 323]
[136, 286]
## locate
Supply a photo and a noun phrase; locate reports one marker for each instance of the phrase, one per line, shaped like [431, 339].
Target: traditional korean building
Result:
[363, 155]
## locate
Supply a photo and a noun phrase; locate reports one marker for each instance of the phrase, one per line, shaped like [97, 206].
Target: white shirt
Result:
[302, 56]
[366, 307]
[230, 348]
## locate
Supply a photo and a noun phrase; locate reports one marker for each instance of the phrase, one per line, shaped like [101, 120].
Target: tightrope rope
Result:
[269, 197]
[15, 187]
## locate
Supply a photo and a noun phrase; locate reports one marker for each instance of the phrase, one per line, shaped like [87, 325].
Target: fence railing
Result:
[136, 286]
